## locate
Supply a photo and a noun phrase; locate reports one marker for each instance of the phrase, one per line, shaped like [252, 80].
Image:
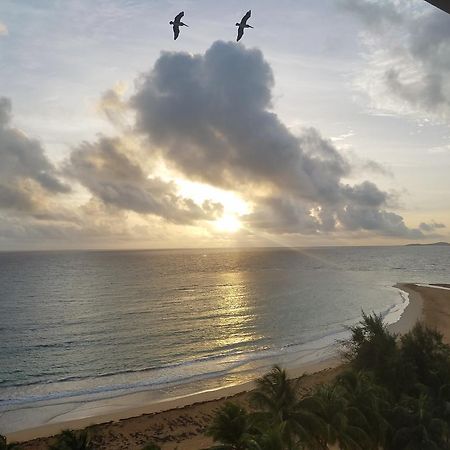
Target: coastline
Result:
[180, 422]
[435, 299]
[413, 311]
[93, 417]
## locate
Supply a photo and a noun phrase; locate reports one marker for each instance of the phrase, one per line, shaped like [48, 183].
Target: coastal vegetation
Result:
[394, 395]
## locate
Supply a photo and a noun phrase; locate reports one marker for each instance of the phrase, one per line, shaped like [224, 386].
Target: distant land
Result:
[434, 243]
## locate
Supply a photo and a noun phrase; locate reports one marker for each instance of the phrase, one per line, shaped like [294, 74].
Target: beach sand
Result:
[435, 305]
[180, 423]
[179, 428]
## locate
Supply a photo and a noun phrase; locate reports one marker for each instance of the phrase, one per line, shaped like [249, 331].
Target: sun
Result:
[228, 224]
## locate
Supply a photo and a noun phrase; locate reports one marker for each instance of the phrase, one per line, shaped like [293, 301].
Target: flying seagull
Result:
[241, 26]
[441, 4]
[177, 23]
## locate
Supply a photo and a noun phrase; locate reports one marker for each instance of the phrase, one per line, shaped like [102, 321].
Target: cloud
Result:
[209, 116]
[283, 215]
[371, 219]
[107, 170]
[26, 174]
[409, 62]
[373, 14]
[3, 29]
[113, 107]
[428, 227]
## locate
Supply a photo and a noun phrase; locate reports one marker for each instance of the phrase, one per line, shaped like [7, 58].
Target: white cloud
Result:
[408, 60]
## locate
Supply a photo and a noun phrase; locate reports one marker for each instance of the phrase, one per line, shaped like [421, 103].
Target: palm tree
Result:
[370, 400]
[344, 423]
[5, 446]
[73, 440]
[417, 427]
[272, 439]
[232, 428]
[277, 397]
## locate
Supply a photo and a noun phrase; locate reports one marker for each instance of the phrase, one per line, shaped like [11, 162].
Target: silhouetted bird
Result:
[241, 26]
[177, 23]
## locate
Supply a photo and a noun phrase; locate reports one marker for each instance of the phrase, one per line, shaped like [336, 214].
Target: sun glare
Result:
[228, 224]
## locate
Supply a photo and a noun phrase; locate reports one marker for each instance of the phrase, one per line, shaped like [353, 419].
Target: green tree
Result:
[232, 428]
[277, 398]
[428, 357]
[372, 348]
[416, 426]
[344, 423]
[272, 439]
[73, 440]
[371, 400]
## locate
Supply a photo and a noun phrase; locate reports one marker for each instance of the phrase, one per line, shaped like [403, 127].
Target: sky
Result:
[327, 124]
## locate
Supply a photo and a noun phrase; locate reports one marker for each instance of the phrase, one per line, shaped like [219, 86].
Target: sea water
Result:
[83, 326]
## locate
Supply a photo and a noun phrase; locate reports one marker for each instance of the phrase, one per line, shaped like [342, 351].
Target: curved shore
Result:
[180, 423]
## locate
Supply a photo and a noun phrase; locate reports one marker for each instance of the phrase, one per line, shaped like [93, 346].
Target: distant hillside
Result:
[434, 243]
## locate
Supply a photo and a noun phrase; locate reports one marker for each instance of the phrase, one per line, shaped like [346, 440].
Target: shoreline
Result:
[413, 311]
[152, 408]
[203, 404]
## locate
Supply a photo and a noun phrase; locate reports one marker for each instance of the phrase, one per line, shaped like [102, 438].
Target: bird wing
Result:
[176, 32]
[179, 16]
[240, 33]
[246, 17]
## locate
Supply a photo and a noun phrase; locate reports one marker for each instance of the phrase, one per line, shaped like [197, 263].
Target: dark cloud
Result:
[388, 223]
[366, 194]
[25, 170]
[106, 169]
[283, 215]
[428, 227]
[210, 117]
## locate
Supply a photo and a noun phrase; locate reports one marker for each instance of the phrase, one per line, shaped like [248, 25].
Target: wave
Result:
[82, 388]
[166, 375]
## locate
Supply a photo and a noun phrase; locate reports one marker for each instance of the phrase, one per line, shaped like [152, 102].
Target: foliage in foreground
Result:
[394, 396]
[73, 440]
[5, 446]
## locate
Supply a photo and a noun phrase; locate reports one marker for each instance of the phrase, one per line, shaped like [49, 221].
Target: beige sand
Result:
[182, 422]
[181, 428]
[436, 306]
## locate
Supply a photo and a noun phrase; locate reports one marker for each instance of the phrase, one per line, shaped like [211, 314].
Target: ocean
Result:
[78, 327]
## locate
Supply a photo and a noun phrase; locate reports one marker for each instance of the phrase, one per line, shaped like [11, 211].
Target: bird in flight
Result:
[177, 23]
[241, 26]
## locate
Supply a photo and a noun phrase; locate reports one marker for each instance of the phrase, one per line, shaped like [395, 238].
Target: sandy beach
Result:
[180, 423]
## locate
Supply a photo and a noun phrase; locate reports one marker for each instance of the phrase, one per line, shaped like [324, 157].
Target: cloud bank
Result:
[210, 119]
